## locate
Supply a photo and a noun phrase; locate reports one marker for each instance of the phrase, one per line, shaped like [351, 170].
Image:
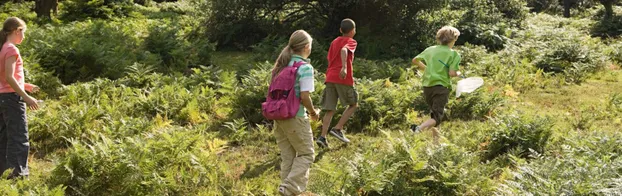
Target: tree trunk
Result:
[567, 8]
[44, 8]
[608, 7]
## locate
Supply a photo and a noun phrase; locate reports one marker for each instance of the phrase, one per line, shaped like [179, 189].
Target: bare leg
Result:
[328, 117]
[346, 116]
[427, 124]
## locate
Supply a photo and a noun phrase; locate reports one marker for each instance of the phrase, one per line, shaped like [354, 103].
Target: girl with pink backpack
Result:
[287, 103]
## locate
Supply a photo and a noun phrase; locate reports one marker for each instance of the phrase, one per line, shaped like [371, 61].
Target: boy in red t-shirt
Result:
[339, 82]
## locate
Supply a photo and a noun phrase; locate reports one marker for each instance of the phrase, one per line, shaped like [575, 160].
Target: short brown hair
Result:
[447, 34]
[347, 25]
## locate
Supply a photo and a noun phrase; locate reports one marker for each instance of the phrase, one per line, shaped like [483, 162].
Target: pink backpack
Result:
[281, 102]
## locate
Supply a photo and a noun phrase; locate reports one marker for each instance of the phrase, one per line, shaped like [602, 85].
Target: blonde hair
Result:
[297, 42]
[10, 24]
[447, 34]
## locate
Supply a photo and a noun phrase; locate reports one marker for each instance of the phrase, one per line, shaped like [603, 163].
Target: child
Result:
[439, 63]
[294, 136]
[14, 144]
[339, 83]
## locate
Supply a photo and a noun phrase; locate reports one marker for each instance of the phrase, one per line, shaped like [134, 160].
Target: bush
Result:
[524, 135]
[474, 106]
[26, 187]
[104, 9]
[379, 37]
[583, 165]
[49, 84]
[401, 164]
[384, 104]
[92, 53]
[487, 24]
[177, 50]
[169, 162]
[608, 27]
[394, 70]
[21, 10]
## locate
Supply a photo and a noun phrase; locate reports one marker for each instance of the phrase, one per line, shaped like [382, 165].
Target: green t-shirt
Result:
[439, 60]
[304, 80]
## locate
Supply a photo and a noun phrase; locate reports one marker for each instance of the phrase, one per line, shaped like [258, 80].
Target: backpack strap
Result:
[299, 63]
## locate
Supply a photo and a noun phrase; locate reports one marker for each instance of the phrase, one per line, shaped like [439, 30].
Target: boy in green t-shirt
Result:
[439, 62]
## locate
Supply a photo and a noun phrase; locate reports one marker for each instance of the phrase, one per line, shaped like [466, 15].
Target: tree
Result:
[43, 8]
[608, 7]
[567, 5]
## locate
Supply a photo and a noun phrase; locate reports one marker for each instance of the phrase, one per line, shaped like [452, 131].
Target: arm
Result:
[344, 65]
[31, 88]
[453, 73]
[9, 71]
[308, 104]
[419, 64]
[454, 66]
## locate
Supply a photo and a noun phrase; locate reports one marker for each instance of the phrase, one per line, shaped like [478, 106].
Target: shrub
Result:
[583, 165]
[167, 162]
[394, 70]
[518, 133]
[473, 106]
[26, 187]
[383, 104]
[92, 54]
[21, 10]
[105, 9]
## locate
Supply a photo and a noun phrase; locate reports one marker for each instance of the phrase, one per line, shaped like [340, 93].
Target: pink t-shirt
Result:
[9, 50]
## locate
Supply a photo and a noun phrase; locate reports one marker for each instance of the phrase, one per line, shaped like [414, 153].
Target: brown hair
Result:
[297, 42]
[10, 24]
[347, 25]
[447, 34]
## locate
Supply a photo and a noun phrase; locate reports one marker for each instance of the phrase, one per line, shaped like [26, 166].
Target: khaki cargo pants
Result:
[295, 140]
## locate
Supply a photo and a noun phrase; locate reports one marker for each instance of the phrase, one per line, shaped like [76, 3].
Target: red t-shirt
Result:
[334, 61]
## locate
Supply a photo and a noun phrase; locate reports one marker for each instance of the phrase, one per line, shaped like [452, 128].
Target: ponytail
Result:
[297, 41]
[3, 38]
[282, 61]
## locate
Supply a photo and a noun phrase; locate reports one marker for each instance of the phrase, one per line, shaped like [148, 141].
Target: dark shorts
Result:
[347, 95]
[436, 97]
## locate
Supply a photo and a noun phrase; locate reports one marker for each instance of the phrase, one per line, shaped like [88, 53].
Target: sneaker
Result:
[321, 141]
[339, 135]
[282, 191]
[415, 128]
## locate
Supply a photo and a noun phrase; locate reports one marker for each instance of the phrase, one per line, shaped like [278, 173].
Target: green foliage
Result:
[487, 24]
[167, 162]
[382, 27]
[383, 103]
[608, 26]
[522, 134]
[92, 53]
[474, 106]
[25, 187]
[557, 6]
[394, 70]
[571, 171]
[20, 10]
[104, 9]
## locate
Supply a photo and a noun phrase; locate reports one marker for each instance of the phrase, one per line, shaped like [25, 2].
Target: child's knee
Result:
[329, 112]
[354, 105]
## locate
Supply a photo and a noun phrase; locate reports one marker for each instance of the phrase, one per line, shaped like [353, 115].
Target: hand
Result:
[315, 115]
[35, 89]
[31, 102]
[343, 74]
